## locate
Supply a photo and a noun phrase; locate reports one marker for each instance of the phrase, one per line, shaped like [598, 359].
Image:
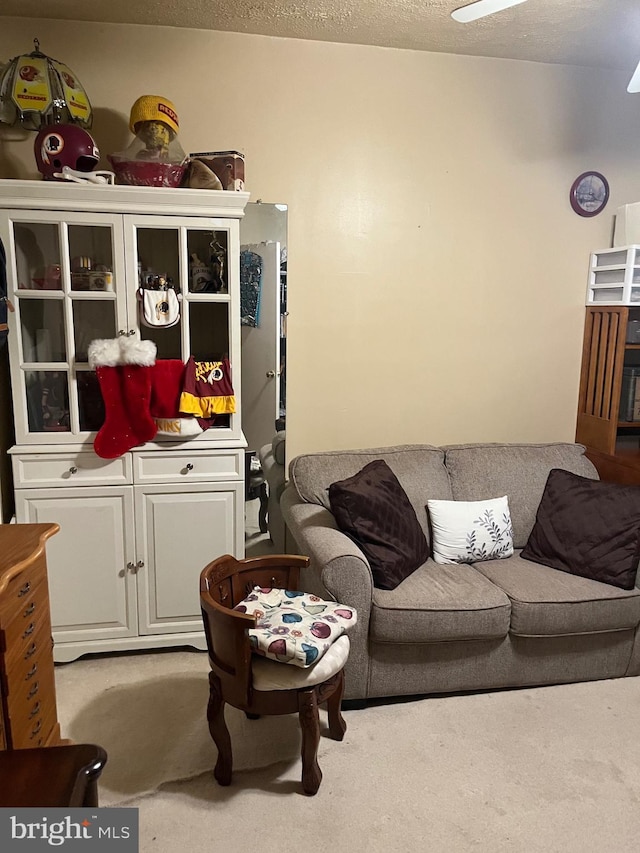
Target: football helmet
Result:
[65, 145]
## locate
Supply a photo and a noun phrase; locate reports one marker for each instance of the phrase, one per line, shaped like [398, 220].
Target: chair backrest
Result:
[223, 584]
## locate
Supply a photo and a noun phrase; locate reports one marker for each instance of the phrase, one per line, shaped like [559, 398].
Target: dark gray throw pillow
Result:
[587, 528]
[373, 509]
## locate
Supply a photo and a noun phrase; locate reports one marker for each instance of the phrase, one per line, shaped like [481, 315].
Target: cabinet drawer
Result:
[32, 614]
[37, 470]
[33, 649]
[20, 590]
[23, 673]
[194, 466]
[32, 703]
[37, 730]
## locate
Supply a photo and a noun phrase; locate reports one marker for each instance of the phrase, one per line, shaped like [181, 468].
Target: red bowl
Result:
[139, 173]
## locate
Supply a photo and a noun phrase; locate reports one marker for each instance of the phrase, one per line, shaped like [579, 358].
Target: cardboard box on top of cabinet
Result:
[227, 165]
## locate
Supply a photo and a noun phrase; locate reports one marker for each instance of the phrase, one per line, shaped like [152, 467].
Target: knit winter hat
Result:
[153, 108]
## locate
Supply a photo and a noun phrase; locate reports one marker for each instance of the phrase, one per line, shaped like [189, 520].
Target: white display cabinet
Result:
[614, 276]
[135, 530]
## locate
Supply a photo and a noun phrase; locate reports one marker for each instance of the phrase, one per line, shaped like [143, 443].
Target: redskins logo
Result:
[68, 79]
[163, 108]
[29, 73]
[52, 145]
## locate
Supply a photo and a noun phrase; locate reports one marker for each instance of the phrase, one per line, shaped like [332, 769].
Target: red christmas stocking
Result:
[123, 367]
[136, 383]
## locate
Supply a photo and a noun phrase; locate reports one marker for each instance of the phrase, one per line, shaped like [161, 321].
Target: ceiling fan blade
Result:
[634, 83]
[481, 8]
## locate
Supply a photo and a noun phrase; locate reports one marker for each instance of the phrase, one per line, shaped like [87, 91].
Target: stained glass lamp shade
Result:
[36, 90]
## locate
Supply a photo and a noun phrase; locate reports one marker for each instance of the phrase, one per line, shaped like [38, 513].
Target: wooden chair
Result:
[253, 684]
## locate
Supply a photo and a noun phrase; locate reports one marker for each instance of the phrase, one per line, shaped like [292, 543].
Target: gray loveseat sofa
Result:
[445, 628]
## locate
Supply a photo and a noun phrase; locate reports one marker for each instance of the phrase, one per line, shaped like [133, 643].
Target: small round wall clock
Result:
[589, 193]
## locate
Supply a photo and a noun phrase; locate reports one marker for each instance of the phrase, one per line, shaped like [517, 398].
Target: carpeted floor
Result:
[536, 770]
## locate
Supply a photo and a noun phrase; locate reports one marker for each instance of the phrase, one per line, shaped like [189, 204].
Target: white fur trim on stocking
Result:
[112, 352]
[137, 352]
[104, 353]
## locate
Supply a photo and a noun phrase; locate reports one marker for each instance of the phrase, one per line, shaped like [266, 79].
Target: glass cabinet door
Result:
[66, 270]
[197, 258]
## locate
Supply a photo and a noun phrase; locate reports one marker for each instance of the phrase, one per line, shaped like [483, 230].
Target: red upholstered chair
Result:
[254, 684]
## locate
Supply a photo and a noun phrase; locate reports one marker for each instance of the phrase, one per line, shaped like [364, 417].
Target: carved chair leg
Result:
[337, 725]
[310, 725]
[219, 732]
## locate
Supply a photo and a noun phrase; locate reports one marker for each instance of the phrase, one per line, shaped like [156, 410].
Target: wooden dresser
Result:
[27, 683]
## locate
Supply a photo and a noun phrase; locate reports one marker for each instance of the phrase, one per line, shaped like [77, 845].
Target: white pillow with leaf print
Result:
[471, 531]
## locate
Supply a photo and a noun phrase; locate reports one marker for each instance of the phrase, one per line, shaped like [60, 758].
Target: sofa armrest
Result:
[338, 570]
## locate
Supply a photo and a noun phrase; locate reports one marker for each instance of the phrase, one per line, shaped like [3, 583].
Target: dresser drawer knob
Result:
[73, 470]
[36, 729]
[28, 631]
[29, 610]
[31, 672]
[35, 710]
[24, 590]
[34, 689]
[33, 648]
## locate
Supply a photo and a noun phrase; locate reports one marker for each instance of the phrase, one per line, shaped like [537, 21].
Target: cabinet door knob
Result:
[131, 567]
[131, 333]
[139, 565]
[270, 374]
[73, 470]
[121, 332]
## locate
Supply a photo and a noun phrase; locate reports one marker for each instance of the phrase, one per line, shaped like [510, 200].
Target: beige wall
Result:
[437, 272]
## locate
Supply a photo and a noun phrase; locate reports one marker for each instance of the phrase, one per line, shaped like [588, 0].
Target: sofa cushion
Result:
[470, 531]
[419, 468]
[438, 604]
[372, 508]
[519, 471]
[587, 528]
[549, 603]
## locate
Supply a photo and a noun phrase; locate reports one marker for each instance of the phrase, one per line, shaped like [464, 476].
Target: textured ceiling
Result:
[599, 33]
